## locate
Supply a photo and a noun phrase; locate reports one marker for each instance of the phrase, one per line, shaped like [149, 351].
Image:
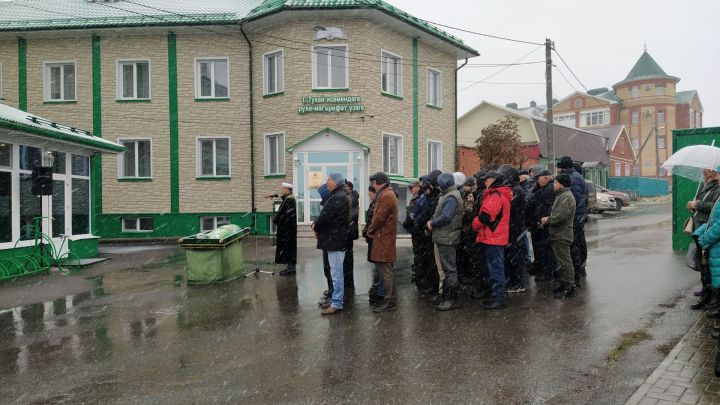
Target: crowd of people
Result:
[490, 231]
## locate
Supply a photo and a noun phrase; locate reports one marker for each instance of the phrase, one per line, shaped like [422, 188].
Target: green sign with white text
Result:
[329, 104]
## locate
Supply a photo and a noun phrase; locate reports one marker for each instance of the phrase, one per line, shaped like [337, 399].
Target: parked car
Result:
[598, 201]
[621, 199]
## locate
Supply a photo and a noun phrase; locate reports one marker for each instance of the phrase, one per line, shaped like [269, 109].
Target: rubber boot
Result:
[704, 301]
[713, 307]
[450, 301]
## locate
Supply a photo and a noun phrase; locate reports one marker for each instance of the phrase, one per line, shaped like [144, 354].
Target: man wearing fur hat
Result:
[286, 236]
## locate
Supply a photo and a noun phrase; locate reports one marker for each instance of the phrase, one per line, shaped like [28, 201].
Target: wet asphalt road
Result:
[125, 331]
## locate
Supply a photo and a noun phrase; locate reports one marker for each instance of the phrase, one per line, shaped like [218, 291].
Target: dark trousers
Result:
[562, 249]
[428, 274]
[578, 251]
[495, 259]
[349, 267]
[417, 256]
[465, 265]
[515, 258]
[544, 257]
[326, 270]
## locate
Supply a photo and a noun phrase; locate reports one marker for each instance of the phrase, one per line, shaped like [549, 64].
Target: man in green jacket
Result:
[561, 234]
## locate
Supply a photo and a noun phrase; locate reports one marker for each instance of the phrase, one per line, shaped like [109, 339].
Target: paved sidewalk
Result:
[687, 375]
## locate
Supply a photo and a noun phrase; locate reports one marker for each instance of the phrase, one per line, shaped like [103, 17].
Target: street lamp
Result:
[48, 159]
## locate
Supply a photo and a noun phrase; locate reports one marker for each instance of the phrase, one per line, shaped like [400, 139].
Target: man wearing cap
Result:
[383, 233]
[427, 281]
[445, 226]
[414, 189]
[579, 191]
[560, 222]
[539, 207]
[493, 232]
[286, 235]
[465, 263]
[331, 228]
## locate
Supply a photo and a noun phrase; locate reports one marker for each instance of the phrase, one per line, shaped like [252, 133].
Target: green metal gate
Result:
[683, 190]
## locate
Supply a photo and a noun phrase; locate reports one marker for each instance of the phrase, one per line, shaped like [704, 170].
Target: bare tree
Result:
[499, 144]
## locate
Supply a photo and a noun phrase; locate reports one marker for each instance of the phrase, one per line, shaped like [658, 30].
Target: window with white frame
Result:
[692, 118]
[593, 118]
[136, 161]
[391, 73]
[213, 157]
[60, 81]
[635, 142]
[133, 80]
[392, 154]
[274, 154]
[137, 224]
[568, 119]
[618, 169]
[330, 67]
[434, 87]
[273, 72]
[212, 78]
[434, 156]
[210, 223]
[698, 124]
[627, 169]
[578, 103]
[634, 91]
[6, 206]
[660, 90]
[635, 118]
[661, 142]
[80, 183]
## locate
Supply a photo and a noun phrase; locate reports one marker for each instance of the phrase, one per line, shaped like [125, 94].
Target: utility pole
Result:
[657, 154]
[549, 101]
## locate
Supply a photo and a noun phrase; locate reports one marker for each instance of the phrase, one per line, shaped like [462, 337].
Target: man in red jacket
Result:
[493, 230]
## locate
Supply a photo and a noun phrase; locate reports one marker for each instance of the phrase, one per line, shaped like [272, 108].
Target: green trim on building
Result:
[391, 95]
[96, 159]
[174, 126]
[61, 102]
[275, 176]
[213, 178]
[22, 74]
[175, 225]
[331, 90]
[142, 100]
[336, 133]
[76, 139]
[205, 100]
[273, 94]
[416, 125]
[434, 107]
[134, 179]
[85, 248]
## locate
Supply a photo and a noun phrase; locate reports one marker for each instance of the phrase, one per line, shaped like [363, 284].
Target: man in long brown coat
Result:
[383, 232]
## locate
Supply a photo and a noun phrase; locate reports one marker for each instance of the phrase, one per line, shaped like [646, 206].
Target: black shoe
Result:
[479, 294]
[287, 272]
[436, 299]
[495, 305]
[543, 277]
[558, 289]
[386, 306]
[713, 314]
[376, 299]
[447, 305]
[565, 293]
[702, 303]
[326, 295]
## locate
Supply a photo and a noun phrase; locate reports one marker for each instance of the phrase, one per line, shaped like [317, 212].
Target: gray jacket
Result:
[562, 215]
[447, 220]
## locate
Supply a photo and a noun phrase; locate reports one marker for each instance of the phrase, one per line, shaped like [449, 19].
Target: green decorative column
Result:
[174, 128]
[96, 159]
[22, 74]
[416, 126]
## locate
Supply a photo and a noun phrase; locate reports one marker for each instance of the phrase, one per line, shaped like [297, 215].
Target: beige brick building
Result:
[219, 104]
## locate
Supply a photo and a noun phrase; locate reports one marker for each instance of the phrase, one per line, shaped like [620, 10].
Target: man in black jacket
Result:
[331, 228]
[286, 221]
[516, 252]
[353, 235]
[540, 206]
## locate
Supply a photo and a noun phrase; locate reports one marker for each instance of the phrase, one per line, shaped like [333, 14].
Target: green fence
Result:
[683, 190]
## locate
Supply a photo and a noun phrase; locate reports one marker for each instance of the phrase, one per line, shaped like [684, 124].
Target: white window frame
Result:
[618, 169]
[400, 157]
[440, 157]
[198, 90]
[565, 117]
[119, 78]
[660, 116]
[71, 176]
[627, 169]
[198, 157]
[46, 80]
[137, 224]
[635, 118]
[121, 159]
[314, 67]
[658, 143]
[383, 65]
[280, 151]
[658, 92]
[440, 88]
[279, 78]
[215, 221]
[590, 113]
[698, 120]
[692, 118]
[634, 91]
[635, 142]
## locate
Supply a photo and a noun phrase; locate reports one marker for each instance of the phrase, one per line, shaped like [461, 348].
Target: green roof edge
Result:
[322, 131]
[5, 123]
[697, 131]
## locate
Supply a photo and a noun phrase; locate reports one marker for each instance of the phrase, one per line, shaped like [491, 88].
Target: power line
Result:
[504, 83]
[481, 34]
[568, 68]
[501, 70]
[564, 77]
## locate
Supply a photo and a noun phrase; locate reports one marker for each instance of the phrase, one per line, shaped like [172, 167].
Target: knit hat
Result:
[470, 181]
[565, 162]
[338, 178]
[445, 181]
[544, 172]
[380, 178]
[564, 179]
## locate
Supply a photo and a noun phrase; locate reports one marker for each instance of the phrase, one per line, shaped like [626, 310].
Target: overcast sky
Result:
[600, 40]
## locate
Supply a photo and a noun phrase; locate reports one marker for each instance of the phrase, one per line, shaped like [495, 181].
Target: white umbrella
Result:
[689, 161]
